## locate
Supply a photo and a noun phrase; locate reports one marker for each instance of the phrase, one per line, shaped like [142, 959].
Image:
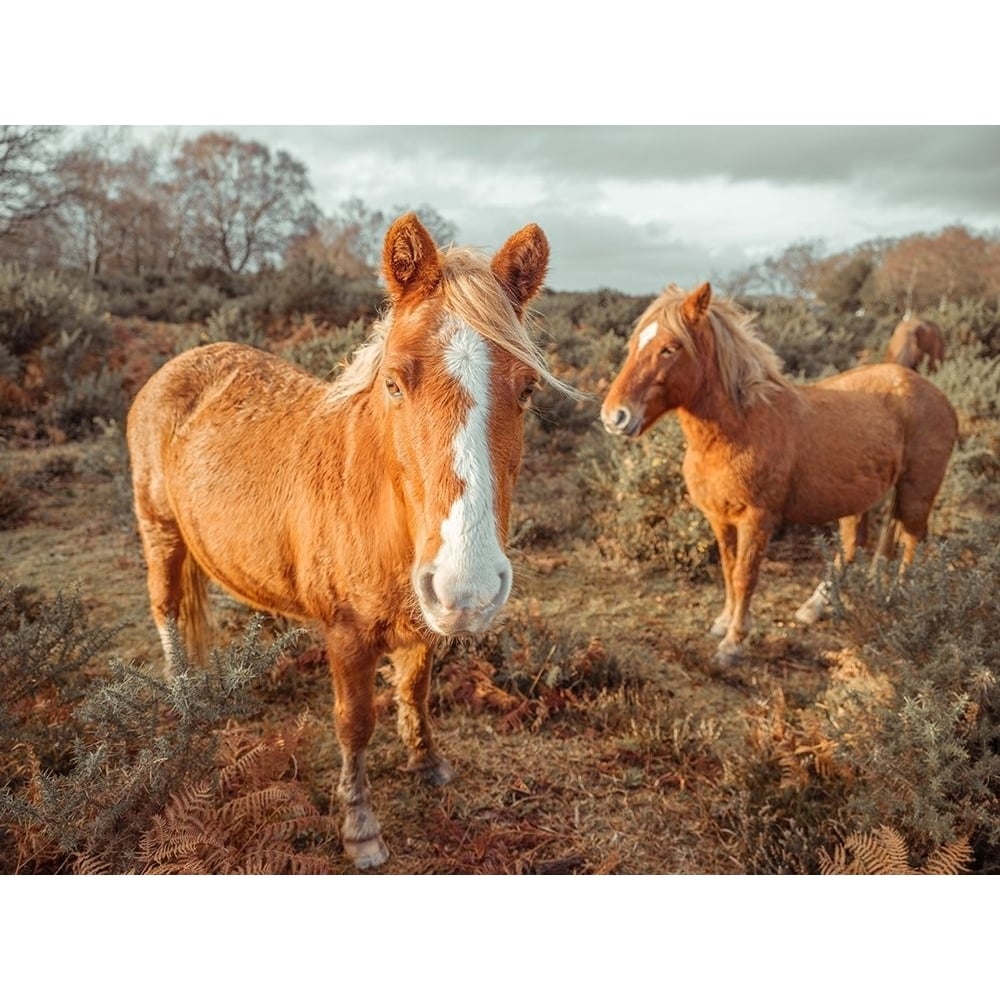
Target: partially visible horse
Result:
[377, 505]
[915, 341]
[761, 449]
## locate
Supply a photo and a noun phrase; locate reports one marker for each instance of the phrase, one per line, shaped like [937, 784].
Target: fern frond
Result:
[882, 852]
[950, 859]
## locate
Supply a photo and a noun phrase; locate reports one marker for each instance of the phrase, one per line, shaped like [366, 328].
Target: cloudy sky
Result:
[634, 207]
[837, 102]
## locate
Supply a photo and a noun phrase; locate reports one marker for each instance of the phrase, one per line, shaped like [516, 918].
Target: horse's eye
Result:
[668, 349]
[392, 387]
[527, 392]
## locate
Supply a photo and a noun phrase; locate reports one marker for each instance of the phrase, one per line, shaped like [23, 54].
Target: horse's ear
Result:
[520, 265]
[696, 304]
[409, 258]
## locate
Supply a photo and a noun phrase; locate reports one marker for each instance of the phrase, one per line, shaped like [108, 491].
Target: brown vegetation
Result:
[590, 731]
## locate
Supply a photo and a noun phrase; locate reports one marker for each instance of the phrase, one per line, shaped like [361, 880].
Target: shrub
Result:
[810, 343]
[15, 504]
[307, 286]
[35, 307]
[92, 757]
[933, 772]
[234, 321]
[324, 354]
[640, 502]
[971, 380]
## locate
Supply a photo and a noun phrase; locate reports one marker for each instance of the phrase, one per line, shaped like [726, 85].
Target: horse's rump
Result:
[866, 429]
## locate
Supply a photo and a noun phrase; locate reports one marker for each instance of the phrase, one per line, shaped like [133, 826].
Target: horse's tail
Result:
[193, 622]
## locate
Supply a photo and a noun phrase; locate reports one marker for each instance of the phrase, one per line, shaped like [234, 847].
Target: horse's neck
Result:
[710, 418]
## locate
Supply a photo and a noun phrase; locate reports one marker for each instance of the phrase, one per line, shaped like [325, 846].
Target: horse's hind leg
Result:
[853, 532]
[413, 679]
[352, 669]
[166, 555]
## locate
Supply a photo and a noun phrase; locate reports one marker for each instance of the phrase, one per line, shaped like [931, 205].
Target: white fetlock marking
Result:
[816, 606]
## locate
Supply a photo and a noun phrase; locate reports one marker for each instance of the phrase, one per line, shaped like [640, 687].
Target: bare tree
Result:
[367, 227]
[332, 243]
[443, 230]
[28, 187]
[241, 206]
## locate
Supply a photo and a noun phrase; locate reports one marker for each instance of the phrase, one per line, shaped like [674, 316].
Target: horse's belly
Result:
[838, 492]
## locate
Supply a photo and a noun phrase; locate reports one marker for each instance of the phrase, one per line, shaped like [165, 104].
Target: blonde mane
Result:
[472, 293]
[749, 369]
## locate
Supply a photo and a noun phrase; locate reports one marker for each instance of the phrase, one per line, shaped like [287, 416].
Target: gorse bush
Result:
[309, 287]
[56, 344]
[90, 755]
[604, 311]
[169, 298]
[35, 307]
[234, 321]
[971, 380]
[933, 772]
[810, 343]
[969, 323]
[640, 505]
[326, 352]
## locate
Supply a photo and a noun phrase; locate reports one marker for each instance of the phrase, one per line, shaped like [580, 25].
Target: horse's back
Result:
[906, 394]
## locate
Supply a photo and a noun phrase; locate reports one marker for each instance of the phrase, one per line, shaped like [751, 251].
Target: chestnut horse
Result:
[376, 505]
[916, 340]
[761, 449]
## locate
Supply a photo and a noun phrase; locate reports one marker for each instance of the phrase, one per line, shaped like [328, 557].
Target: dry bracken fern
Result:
[885, 852]
[251, 817]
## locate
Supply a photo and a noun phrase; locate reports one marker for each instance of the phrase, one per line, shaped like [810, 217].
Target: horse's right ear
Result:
[520, 265]
[696, 305]
[409, 259]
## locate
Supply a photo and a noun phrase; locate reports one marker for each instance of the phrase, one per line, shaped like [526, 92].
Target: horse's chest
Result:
[726, 482]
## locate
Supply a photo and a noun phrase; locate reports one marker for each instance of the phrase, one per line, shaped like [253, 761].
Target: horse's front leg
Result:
[752, 536]
[725, 537]
[352, 668]
[413, 682]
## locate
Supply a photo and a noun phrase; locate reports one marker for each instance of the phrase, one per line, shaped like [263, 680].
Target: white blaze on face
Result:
[471, 574]
[646, 335]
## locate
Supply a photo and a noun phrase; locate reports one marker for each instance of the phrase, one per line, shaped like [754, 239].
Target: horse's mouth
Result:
[623, 419]
[461, 622]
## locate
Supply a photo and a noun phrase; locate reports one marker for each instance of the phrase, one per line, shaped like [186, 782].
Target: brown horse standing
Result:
[377, 505]
[914, 341]
[761, 449]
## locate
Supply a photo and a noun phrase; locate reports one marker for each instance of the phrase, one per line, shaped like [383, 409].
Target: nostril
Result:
[506, 582]
[425, 588]
[617, 419]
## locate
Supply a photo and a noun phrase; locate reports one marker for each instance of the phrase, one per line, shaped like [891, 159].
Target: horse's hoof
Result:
[435, 772]
[728, 656]
[808, 614]
[366, 854]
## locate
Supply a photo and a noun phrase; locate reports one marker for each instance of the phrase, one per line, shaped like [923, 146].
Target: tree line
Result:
[105, 204]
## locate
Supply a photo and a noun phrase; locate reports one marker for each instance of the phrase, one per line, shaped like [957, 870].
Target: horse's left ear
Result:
[696, 304]
[520, 265]
[409, 258]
